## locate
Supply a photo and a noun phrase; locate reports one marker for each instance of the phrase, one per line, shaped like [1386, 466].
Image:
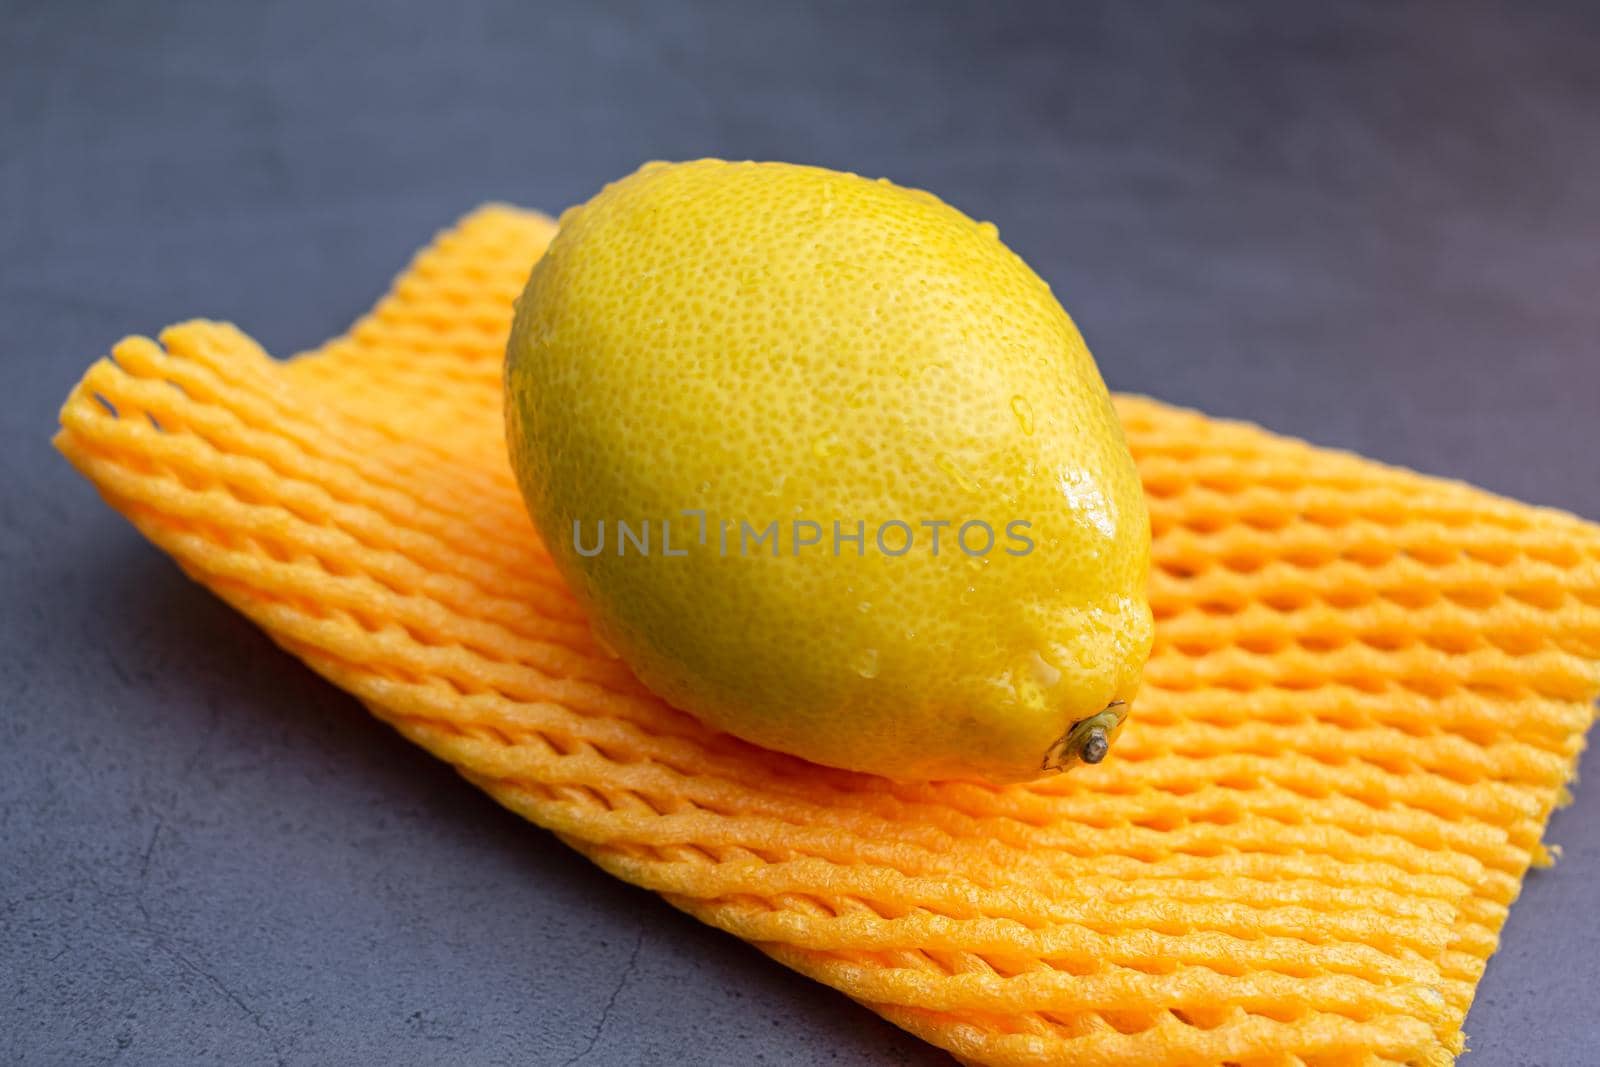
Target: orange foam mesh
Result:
[1367, 692]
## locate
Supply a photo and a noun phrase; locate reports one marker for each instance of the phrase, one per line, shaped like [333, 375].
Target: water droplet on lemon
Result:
[1024, 413]
[866, 663]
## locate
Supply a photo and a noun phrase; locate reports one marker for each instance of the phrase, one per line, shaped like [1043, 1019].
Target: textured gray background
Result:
[1376, 228]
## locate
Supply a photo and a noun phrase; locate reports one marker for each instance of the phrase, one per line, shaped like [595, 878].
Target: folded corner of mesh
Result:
[1368, 691]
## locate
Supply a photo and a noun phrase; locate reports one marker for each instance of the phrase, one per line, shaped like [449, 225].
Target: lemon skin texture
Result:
[772, 343]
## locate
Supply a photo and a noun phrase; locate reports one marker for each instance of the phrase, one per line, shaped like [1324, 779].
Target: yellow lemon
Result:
[831, 469]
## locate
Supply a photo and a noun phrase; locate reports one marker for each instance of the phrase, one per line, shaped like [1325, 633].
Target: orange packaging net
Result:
[1368, 691]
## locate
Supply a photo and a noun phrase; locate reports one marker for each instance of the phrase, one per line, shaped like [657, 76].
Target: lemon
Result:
[830, 469]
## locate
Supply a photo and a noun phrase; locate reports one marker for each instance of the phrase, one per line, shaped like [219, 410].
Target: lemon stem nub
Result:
[1088, 740]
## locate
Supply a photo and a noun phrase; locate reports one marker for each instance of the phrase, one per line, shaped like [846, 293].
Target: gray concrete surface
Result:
[1375, 226]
